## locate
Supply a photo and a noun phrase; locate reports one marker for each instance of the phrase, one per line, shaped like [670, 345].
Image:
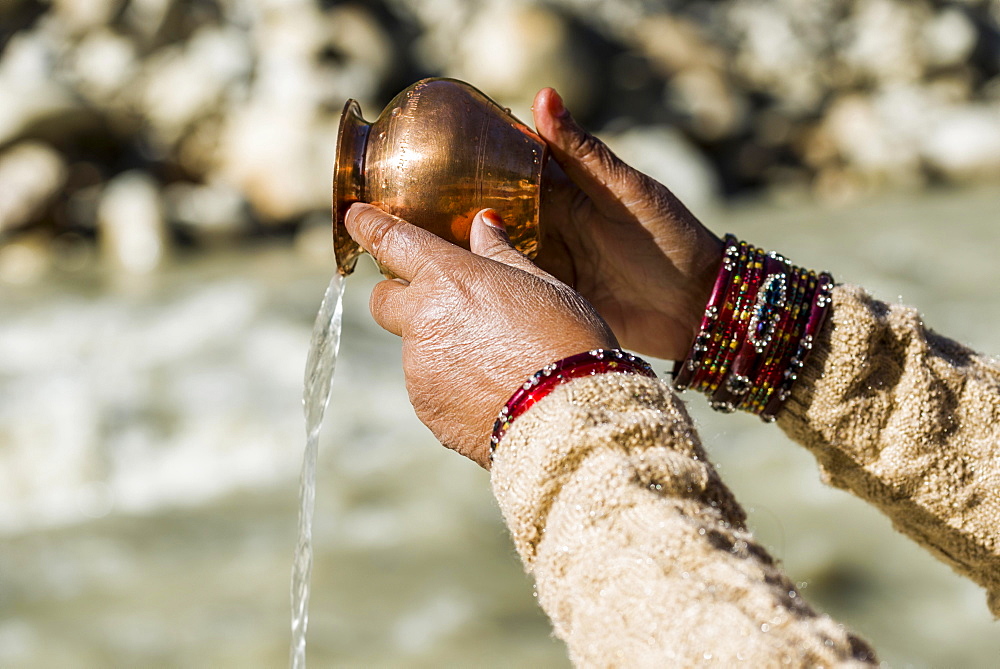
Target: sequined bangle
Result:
[772, 374]
[730, 258]
[545, 380]
[822, 299]
[760, 324]
[764, 317]
[770, 371]
[732, 322]
[740, 321]
[723, 328]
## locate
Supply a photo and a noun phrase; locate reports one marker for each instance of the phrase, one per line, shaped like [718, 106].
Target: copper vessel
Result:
[437, 154]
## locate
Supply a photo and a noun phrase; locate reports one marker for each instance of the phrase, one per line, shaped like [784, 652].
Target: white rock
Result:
[280, 160]
[28, 92]
[81, 15]
[183, 84]
[438, 19]
[673, 44]
[146, 17]
[769, 39]
[130, 224]
[714, 109]
[617, 18]
[879, 136]
[103, 64]
[30, 175]
[278, 148]
[512, 51]
[965, 143]
[884, 40]
[366, 54]
[210, 211]
[949, 38]
[291, 71]
[664, 154]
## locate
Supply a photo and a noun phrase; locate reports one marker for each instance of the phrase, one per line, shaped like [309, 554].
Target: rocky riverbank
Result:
[152, 124]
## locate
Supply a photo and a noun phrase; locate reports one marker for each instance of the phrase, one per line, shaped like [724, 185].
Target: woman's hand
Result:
[623, 240]
[474, 325]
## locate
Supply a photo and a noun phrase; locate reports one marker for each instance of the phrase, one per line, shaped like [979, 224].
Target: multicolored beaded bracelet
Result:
[723, 330]
[763, 318]
[685, 375]
[542, 382]
[757, 398]
[822, 299]
[758, 329]
[736, 333]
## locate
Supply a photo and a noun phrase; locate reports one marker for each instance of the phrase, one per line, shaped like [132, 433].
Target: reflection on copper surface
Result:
[436, 155]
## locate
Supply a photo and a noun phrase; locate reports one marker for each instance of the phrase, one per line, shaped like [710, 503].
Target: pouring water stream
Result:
[320, 364]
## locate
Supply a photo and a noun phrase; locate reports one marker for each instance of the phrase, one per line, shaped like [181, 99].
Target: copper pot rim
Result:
[353, 130]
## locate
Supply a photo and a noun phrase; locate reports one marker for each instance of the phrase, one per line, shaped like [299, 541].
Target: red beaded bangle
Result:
[764, 319]
[685, 371]
[737, 332]
[764, 383]
[758, 329]
[822, 300]
[711, 367]
[545, 380]
[771, 377]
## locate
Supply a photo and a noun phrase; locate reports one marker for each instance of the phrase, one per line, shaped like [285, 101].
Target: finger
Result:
[388, 305]
[588, 161]
[404, 249]
[489, 239]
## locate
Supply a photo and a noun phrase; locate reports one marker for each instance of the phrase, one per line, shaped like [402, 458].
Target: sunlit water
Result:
[320, 364]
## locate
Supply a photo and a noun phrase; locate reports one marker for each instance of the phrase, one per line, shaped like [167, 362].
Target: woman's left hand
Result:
[475, 325]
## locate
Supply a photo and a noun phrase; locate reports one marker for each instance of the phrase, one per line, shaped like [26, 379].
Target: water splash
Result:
[320, 364]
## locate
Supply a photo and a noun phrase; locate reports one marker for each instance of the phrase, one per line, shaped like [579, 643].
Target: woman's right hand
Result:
[475, 325]
[623, 240]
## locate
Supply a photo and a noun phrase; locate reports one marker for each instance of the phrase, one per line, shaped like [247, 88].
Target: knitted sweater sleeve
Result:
[909, 421]
[639, 551]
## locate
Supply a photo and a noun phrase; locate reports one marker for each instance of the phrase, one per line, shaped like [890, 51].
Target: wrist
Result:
[542, 382]
[704, 272]
[756, 331]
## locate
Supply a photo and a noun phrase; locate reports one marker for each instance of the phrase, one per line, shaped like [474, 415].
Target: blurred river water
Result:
[151, 433]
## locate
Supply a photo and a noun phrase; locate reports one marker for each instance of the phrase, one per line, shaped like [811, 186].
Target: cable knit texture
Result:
[639, 551]
[909, 421]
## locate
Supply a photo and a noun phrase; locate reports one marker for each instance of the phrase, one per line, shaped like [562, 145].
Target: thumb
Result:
[489, 239]
[614, 186]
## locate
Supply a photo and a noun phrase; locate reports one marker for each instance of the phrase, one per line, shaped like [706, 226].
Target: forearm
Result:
[910, 421]
[638, 549]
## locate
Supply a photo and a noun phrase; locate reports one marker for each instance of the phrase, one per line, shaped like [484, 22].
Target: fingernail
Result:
[493, 219]
[558, 107]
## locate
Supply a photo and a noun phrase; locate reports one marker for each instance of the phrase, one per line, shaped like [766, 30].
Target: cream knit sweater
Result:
[639, 551]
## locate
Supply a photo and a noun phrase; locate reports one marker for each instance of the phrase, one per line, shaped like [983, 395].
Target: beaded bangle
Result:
[757, 399]
[817, 316]
[773, 374]
[732, 321]
[721, 330]
[685, 374]
[764, 318]
[738, 328]
[758, 329]
[545, 380]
